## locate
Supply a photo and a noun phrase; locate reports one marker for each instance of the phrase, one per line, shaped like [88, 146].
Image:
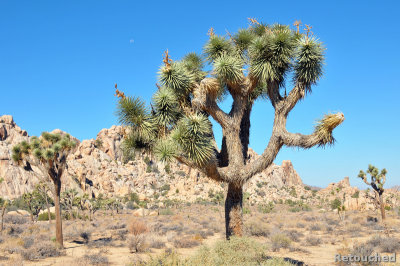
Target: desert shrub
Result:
[308, 218]
[205, 233]
[363, 250]
[375, 241]
[116, 226]
[28, 241]
[1, 240]
[266, 208]
[137, 243]
[85, 235]
[294, 235]
[96, 259]
[166, 212]
[354, 229]
[156, 242]
[181, 173]
[186, 242]
[15, 230]
[390, 245]
[313, 241]
[279, 241]
[137, 227]
[300, 225]
[258, 229]
[45, 216]
[15, 219]
[236, 251]
[41, 250]
[122, 234]
[315, 227]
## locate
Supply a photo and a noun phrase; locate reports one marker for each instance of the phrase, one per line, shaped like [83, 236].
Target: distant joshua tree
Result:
[377, 182]
[49, 155]
[255, 63]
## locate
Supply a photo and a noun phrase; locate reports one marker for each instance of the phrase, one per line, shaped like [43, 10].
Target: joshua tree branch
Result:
[273, 94]
[300, 140]
[204, 100]
[291, 100]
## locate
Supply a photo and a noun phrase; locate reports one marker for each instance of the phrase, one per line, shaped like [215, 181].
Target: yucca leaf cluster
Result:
[45, 149]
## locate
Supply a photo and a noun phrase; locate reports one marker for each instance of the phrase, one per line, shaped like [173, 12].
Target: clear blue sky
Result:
[59, 61]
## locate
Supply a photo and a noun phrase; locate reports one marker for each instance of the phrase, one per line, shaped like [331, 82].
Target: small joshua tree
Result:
[43, 189]
[252, 64]
[35, 203]
[49, 155]
[377, 182]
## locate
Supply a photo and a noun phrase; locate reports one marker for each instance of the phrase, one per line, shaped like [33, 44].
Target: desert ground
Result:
[194, 234]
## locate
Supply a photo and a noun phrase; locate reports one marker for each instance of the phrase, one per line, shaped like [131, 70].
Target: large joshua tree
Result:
[257, 62]
[49, 155]
[377, 182]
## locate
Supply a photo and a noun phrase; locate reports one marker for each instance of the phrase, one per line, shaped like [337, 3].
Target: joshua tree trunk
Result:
[382, 205]
[47, 206]
[3, 211]
[59, 234]
[233, 210]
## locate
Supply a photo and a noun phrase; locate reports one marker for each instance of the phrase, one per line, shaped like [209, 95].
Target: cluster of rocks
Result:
[96, 167]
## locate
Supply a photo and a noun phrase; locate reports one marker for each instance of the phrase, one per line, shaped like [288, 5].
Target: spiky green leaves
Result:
[243, 39]
[165, 150]
[228, 68]
[325, 126]
[308, 64]
[217, 46]
[271, 55]
[193, 136]
[377, 179]
[48, 147]
[194, 64]
[166, 107]
[177, 78]
[131, 111]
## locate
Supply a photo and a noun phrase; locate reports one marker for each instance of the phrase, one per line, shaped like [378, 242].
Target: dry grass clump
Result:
[300, 225]
[96, 259]
[258, 229]
[315, 227]
[15, 219]
[15, 230]
[41, 250]
[187, 242]
[294, 235]
[313, 241]
[385, 244]
[156, 241]
[137, 227]
[278, 241]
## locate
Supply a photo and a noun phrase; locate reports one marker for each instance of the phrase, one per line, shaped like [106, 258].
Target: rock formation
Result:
[96, 168]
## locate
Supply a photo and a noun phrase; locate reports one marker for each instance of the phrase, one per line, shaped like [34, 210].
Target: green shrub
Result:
[336, 204]
[293, 192]
[236, 251]
[356, 195]
[166, 212]
[266, 208]
[45, 216]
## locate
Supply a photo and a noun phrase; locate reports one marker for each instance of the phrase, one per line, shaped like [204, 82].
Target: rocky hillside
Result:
[97, 167]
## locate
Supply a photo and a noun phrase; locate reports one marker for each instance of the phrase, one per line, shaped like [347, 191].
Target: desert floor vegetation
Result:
[195, 235]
